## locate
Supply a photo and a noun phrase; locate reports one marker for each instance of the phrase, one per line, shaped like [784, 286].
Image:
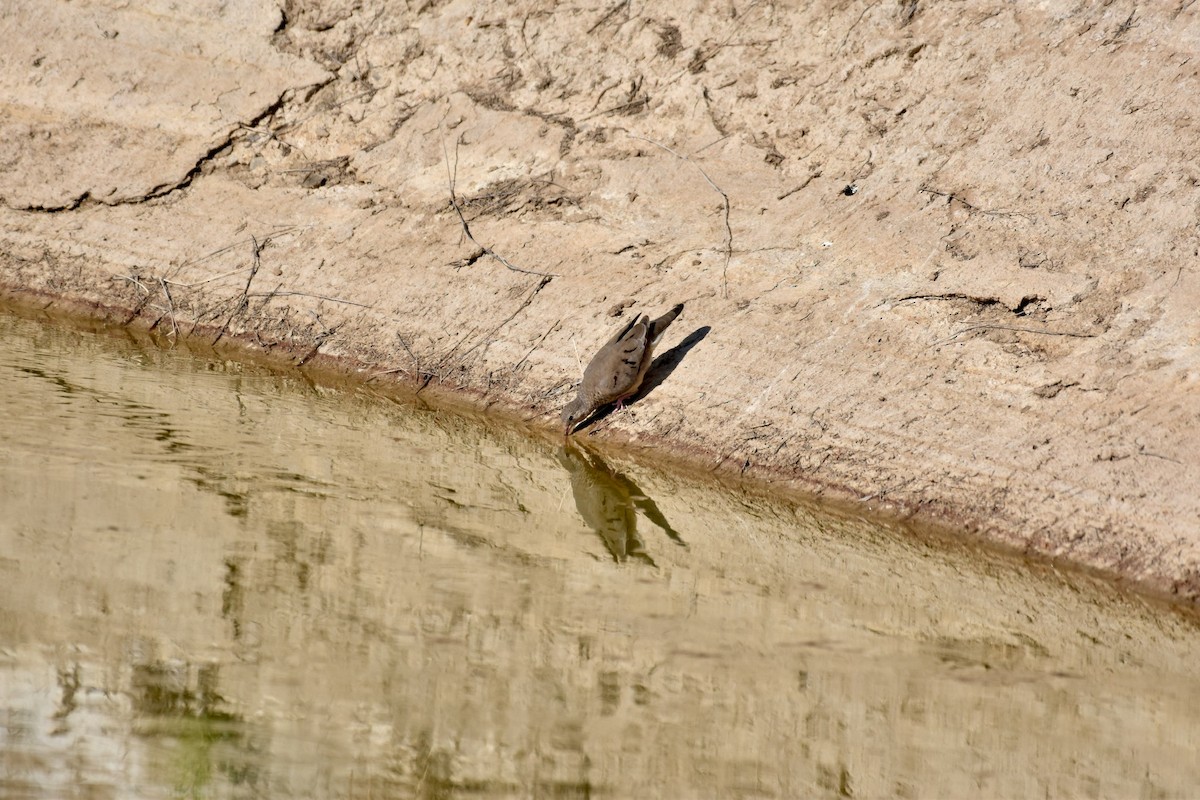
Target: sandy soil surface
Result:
[940, 258]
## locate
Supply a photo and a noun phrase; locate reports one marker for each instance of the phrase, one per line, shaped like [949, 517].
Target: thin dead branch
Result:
[634, 103]
[1121, 29]
[802, 186]
[267, 298]
[854, 25]
[536, 344]
[951, 196]
[277, 293]
[275, 234]
[452, 176]
[724, 198]
[206, 280]
[702, 56]
[243, 301]
[425, 374]
[132, 279]
[524, 304]
[409, 350]
[324, 336]
[1015, 328]
[620, 4]
[171, 305]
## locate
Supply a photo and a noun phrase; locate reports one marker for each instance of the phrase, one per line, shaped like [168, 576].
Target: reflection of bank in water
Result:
[608, 500]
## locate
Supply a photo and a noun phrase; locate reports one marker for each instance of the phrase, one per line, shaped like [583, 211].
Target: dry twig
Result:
[524, 304]
[132, 279]
[277, 293]
[609, 15]
[243, 301]
[724, 198]
[988, 327]
[452, 177]
[170, 304]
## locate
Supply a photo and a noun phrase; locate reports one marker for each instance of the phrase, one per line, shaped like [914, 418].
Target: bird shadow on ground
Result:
[660, 369]
[665, 363]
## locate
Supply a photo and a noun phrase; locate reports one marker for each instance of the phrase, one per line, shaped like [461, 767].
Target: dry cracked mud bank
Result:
[938, 258]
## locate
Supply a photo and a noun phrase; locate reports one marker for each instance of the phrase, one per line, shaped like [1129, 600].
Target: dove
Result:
[616, 372]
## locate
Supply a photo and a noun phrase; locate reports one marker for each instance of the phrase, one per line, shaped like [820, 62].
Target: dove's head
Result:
[575, 413]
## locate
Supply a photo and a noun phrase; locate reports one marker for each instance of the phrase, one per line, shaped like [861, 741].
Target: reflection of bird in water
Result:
[607, 500]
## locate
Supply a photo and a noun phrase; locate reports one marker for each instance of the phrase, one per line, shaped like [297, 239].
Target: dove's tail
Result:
[659, 325]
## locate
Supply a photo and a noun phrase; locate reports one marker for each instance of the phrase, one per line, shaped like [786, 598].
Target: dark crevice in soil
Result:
[162, 190]
[982, 302]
